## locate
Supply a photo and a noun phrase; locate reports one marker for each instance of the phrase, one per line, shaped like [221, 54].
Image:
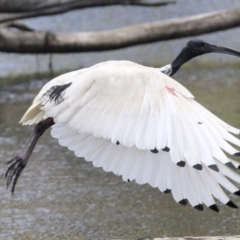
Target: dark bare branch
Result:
[45, 42]
[16, 6]
[13, 9]
[19, 26]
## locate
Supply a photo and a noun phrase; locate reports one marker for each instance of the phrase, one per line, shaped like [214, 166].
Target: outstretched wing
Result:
[158, 170]
[143, 125]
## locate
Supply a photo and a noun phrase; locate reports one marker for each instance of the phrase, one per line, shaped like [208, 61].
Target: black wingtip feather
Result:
[231, 204]
[214, 207]
[181, 164]
[167, 191]
[199, 207]
[166, 149]
[154, 150]
[214, 167]
[183, 202]
[237, 193]
[230, 165]
[197, 166]
[237, 154]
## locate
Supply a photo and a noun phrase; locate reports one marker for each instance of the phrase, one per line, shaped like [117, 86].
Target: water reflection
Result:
[62, 197]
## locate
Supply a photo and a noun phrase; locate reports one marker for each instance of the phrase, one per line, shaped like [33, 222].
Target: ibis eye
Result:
[200, 44]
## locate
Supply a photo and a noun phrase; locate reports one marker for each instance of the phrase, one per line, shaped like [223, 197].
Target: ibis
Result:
[139, 123]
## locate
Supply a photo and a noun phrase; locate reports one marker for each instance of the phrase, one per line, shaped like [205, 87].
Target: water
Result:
[60, 196]
[98, 19]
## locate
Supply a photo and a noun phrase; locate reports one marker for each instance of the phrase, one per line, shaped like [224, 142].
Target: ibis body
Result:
[138, 122]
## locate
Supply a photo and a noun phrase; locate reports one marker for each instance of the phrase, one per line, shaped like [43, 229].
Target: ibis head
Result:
[196, 48]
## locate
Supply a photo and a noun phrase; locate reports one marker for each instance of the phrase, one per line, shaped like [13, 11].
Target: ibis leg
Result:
[18, 163]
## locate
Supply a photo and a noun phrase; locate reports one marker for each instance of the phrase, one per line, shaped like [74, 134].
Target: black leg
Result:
[18, 163]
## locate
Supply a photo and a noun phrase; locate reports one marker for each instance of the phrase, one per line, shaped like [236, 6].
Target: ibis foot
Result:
[17, 164]
[13, 172]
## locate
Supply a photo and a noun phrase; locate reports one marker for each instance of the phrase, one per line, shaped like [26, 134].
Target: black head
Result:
[197, 47]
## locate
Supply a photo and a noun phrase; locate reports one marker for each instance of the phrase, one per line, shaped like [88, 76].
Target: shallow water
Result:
[62, 197]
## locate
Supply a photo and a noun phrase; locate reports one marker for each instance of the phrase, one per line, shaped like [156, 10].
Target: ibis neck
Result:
[167, 70]
[184, 56]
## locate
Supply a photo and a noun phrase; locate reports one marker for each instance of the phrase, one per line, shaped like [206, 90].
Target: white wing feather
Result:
[143, 166]
[141, 124]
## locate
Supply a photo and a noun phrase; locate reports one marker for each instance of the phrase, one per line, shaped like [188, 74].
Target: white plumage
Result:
[137, 122]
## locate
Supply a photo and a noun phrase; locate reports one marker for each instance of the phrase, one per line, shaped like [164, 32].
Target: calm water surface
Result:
[60, 196]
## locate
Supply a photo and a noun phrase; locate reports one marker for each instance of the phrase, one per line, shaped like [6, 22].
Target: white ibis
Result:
[137, 122]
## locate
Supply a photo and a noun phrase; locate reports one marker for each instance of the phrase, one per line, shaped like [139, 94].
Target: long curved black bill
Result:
[224, 50]
[197, 48]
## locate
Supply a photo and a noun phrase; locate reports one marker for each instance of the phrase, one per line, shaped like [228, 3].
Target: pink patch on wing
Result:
[171, 91]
